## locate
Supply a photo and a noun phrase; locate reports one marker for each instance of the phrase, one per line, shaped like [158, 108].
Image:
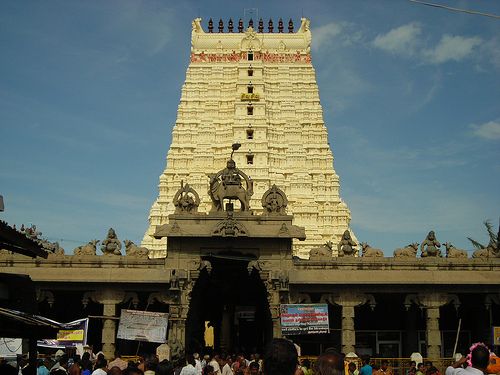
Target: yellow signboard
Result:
[496, 336]
[250, 97]
[70, 335]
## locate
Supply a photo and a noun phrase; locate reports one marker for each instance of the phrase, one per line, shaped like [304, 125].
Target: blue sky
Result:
[89, 92]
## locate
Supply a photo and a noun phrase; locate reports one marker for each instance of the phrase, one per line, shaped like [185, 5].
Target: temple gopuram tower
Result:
[254, 85]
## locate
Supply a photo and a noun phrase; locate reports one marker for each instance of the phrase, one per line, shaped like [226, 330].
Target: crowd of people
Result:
[280, 358]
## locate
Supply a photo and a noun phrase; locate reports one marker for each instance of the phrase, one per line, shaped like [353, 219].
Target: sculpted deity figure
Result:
[176, 349]
[283, 280]
[174, 281]
[186, 200]
[430, 246]
[347, 246]
[229, 175]
[274, 201]
[228, 184]
[111, 245]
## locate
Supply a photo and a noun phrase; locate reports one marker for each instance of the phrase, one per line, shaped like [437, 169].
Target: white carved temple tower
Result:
[257, 88]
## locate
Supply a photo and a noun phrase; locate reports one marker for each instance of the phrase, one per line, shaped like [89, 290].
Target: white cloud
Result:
[406, 41]
[323, 34]
[489, 130]
[403, 40]
[490, 52]
[451, 48]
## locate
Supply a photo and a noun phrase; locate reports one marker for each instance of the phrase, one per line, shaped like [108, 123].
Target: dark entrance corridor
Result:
[233, 302]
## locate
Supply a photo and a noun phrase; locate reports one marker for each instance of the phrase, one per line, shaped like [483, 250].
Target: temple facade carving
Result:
[259, 89]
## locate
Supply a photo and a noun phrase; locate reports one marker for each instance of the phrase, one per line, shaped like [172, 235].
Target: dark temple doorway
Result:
[232, 302]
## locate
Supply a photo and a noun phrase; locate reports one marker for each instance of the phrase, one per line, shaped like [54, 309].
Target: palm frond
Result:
[476, 244]
[489, 228]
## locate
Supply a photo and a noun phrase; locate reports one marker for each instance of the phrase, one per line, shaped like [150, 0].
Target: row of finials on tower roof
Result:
[260, 28]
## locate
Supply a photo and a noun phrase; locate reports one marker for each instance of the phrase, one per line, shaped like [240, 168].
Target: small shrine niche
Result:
[274, 201]
[186, 200]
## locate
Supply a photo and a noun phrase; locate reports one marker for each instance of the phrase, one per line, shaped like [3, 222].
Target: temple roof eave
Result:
[254, 226]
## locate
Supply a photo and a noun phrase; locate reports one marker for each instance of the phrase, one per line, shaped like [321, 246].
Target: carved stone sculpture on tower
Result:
[132, 250]
[347, 246]
[87, 249]
[453, 252]
[186, 200]
[409, 251]
[274, 201]
[369, 252]
[227, 184]
[489, 251]
[430, 246]
[111, 245]
[229, 227]
[322, 253]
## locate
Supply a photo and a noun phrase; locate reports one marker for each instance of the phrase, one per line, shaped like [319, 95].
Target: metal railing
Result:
[399, 366]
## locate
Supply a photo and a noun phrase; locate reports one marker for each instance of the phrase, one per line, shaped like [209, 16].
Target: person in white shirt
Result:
[198, 366]
[189, 369]
[480, 358]
[226, 368]
[100, 367]
[215, 364]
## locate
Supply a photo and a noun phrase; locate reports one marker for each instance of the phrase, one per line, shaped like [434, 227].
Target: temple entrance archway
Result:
[233, 301]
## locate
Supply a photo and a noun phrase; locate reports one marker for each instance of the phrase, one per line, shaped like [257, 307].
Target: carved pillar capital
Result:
[349, 300]
[296, 297]
[431, 302]
[195, 268]
[166, 298]
[109, 297]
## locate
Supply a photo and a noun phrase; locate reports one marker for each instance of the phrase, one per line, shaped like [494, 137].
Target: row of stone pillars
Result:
[178, 299]
[430, 302]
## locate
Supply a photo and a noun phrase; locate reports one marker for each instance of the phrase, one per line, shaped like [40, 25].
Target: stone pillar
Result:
[275, 316]
[348, 335]
[109, 328]
[276, 283]
[109, 298]
[178, 314]
[348, 300]
[433, 333]
[177, 328]
[431, 302]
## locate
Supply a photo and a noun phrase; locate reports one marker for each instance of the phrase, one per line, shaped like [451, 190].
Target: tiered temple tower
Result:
[259, 89]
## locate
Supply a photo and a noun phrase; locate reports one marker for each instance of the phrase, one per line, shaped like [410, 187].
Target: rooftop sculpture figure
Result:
[347, 246]
[186, 200]
[111, 245]
[228, 184]
[430, 246]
